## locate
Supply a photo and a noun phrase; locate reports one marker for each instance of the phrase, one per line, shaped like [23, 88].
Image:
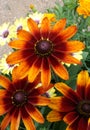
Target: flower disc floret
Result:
[19, 98]
[43, 47]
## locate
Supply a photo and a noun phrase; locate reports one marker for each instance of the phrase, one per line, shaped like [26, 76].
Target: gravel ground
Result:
[11, 9]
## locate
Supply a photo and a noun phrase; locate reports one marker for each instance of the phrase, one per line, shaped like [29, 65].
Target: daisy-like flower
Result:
[4, 34]
[74, 106]
[19, 100]
[84, 8]
[4, 67]
[18, 24]
[37, 17]
[44, 48]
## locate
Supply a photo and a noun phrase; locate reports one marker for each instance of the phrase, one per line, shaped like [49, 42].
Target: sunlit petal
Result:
[45, 27]
[67, 92]
[82, 79]
[45, 73]
[54, 116]
[34, 113]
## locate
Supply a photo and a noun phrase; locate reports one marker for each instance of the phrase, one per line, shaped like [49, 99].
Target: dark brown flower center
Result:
[19, 98]
[43, 47]
[84, 108]
[5, 34]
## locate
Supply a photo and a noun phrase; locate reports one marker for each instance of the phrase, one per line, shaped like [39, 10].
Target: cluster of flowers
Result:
[42, 45]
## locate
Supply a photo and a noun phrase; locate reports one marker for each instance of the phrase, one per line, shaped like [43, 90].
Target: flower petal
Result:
[57, 28]
[87, 90]
[61, 104]
[40, 90]
[70, 117]
[67, 58]
[45, 27]
[5, 82]
[67, 92]
[73, 126]
[18, 56]
[83, 123]
[3, 93]
[82, 79]
[15, 120]
[58, 68]
[4, 108]
[24, 35]
[5, 121]
[35, 69]
[27, 120]
[68, 32]
[88, 127]
[23, 68]
[21, 44]
[39, 100]
[70, 46]
[45, 73]
[34, 113]
[54, 116]
[33, 28]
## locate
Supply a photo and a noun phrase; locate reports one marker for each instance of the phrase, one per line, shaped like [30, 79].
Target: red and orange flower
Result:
[44, 48]
[74, 106]
[19, 100]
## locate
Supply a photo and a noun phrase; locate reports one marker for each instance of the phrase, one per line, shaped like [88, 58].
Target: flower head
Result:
[18, 24]
[4, 34]
[38, 17]
[74, 106]
[4, 67]
[84, 8]
[19, 100]
[44, 48]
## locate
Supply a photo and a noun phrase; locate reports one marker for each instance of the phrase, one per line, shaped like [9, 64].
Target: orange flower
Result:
[84, 8]
[74, 106]
[18, 100]
[43, 48]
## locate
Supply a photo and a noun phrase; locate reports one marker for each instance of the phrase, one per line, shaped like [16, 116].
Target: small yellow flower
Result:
[84, 8]
[4, 33]
[50, 16]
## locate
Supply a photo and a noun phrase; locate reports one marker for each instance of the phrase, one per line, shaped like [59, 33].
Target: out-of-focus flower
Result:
[50, 16]
[19, 100]
[37, 17]
[51, 92]
[74, 106]
[4, 34]
[4, 67]
[18, 24]
[45, 48]
[84, 8]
